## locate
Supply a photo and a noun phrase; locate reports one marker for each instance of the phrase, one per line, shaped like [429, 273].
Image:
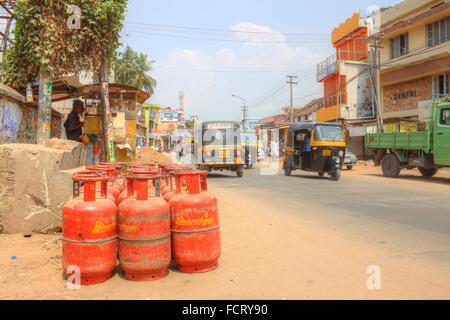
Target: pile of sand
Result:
[148, 154]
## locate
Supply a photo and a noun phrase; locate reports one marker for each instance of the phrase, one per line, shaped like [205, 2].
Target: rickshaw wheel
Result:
[287, 170]
[335, 176]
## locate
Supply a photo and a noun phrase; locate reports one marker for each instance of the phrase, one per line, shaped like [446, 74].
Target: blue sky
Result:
[257, 43]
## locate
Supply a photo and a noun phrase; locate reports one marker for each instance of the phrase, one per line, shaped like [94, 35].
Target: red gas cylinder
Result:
[90, 231]
[99, 189]
[144, 233]
[166, 171]
[128, 182]
[121, 170]
[194, 224]
[114, 188]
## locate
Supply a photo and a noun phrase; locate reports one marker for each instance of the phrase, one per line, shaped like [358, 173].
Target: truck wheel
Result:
[349, 168]
[428, 173]
[240, 174]
[391, 166]
[321, 174]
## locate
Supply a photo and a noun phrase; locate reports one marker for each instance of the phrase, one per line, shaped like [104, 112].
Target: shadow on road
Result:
[310, 177]
[434, 180]
[221, 176]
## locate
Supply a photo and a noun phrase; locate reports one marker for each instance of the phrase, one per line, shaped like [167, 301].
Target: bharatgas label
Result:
[101, 227]
[125, 228]
[203, 221]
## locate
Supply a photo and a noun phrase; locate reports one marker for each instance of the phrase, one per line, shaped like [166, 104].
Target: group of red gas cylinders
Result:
[143, 215]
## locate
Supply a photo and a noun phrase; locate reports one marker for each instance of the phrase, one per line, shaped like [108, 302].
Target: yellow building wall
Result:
[417, 34]
[329, 114]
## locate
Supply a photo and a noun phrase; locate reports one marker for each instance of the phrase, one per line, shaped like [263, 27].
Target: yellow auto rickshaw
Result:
[220, 148]
[315, 147]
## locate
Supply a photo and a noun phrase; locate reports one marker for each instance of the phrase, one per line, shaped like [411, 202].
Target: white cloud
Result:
[208, 94]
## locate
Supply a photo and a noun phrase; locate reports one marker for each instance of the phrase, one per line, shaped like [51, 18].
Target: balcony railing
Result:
[328, 67]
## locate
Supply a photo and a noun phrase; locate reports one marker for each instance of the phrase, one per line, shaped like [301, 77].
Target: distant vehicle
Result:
[219, 147]
[249, 141]
[427, 150]
[350, 160]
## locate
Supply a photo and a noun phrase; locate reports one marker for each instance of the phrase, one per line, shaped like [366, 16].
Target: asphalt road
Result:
[409, 215]
[299, 237]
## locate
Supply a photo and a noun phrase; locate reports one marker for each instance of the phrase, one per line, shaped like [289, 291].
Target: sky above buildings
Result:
[211, 49]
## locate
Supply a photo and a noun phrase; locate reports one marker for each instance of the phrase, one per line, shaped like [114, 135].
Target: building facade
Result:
[309, 111]
[345, 75]
[415, 59]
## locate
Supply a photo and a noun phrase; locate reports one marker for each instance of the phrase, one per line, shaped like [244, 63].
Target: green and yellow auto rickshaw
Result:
[315, 147]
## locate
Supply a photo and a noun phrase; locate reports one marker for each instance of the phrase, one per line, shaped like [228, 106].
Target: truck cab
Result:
[441, 134]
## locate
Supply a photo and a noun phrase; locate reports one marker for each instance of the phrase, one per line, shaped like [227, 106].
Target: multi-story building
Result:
[348, 81]
[150, 119]
[415, 60]
[309, 111]
[345, 75]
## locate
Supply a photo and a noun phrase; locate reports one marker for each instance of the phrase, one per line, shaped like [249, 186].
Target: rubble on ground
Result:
[149, 154]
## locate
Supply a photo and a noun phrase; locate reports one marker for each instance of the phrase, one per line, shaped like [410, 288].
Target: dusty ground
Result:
[272, 249]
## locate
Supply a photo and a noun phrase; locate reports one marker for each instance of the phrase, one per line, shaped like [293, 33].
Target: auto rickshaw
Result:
[315, 147]
[220, 148]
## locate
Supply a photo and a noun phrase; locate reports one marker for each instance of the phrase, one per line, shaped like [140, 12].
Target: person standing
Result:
[73, 125]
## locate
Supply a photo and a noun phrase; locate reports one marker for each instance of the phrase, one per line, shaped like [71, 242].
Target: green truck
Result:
[427, 150]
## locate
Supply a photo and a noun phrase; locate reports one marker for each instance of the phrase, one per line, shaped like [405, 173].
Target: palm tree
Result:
[131, 68]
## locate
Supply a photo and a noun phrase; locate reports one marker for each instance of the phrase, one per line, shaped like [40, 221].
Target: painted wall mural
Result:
[10, 121]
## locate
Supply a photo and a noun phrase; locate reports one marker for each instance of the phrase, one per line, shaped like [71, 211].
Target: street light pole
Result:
[244, 107]
[244, 122]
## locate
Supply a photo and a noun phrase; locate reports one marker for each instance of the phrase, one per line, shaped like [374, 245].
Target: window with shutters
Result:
[438, 32]
[399, 46]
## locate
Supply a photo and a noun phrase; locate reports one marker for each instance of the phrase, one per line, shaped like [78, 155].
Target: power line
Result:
[210, 30]
[270, 96]
[222, 40]
[220, 71]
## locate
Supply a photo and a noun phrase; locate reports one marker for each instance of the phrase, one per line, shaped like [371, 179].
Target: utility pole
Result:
[44, 109]
[244, 107]
[376, 85]
[106, 112]
[291, 107]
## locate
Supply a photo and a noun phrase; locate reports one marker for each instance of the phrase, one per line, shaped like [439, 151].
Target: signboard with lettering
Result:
[220, 125]
[168, 116]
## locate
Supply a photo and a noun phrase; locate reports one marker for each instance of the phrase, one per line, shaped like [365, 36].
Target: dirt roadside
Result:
[265, 256]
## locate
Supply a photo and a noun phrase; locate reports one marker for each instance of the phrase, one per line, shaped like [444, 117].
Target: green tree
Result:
[45, 46]
[132, 68]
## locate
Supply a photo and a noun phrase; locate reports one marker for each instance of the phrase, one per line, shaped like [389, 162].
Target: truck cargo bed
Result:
[399, 140]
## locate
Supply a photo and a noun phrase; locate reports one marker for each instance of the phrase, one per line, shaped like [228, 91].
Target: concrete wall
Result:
[35, 183]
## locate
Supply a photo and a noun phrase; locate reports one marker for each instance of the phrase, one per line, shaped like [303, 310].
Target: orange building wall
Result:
[330, 86]
[354, 48]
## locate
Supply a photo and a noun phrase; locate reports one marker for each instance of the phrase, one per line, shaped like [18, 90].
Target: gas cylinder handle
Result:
[204, 180]
[193, 179]
[90, 180]
[140, 185]
[110, 171]
[133, 172]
